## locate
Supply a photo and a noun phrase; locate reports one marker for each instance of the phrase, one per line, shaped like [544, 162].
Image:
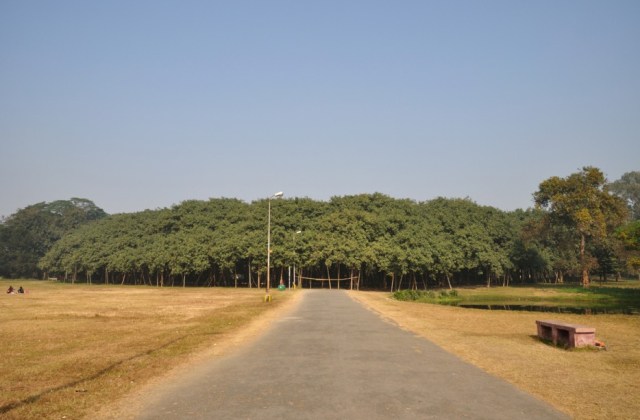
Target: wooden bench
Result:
[567, 335]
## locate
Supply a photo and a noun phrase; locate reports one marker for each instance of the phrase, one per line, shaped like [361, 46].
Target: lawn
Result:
[615, 294]
[582, 383]
[68, 350]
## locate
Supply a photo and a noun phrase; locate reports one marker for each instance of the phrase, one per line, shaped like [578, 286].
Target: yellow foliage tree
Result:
[582, 203]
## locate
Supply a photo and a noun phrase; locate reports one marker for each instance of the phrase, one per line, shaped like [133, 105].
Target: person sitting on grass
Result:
[10, 290]
[20, 289]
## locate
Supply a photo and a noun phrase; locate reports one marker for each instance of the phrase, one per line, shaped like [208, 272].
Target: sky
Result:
[144, 104]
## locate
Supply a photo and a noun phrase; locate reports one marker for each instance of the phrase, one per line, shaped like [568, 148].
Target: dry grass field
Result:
[69, 351]
[66, 351]
[586, 384]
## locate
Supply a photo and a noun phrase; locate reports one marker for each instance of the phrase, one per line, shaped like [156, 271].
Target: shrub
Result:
[424, 295]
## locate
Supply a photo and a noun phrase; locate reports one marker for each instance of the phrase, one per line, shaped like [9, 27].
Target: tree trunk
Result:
[583, 263]
[448, 281]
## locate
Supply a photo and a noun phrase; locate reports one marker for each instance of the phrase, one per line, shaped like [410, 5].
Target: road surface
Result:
[330, 358]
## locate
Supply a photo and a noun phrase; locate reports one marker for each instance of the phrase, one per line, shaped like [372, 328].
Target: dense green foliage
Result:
[629, 236]
[380, 242]
[368, 241]
[28, 234]
[582, 211]
[385, 242]
[628, 188]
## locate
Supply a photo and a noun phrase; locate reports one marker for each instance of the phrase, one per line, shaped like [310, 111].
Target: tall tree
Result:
[628, 188]
[27, 235]
[582, 203]
[629, 235]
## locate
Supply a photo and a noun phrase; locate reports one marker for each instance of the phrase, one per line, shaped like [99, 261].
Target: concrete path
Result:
[333, 359]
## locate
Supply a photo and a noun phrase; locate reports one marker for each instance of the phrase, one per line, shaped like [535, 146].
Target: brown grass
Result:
[587, 384]
[68, 350]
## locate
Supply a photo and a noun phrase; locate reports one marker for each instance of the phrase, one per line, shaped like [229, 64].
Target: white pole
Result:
[295, 253]
[267, 297]
[269, 250]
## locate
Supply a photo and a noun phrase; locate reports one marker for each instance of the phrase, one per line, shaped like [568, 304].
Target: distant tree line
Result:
[369, 241]
[27, 235]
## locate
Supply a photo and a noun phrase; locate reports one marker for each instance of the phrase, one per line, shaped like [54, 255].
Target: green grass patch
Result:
[429, 296]
[627, 293]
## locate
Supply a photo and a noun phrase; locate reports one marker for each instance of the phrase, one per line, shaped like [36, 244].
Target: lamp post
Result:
[295, 253]
[267, 297]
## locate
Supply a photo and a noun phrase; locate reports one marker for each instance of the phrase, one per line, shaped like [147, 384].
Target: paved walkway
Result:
[333, 359]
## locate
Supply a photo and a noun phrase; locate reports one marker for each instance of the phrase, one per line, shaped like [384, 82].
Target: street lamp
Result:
[267, 297]
[295, 252]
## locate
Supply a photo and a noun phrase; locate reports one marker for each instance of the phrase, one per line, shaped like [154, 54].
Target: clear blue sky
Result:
[144, 104]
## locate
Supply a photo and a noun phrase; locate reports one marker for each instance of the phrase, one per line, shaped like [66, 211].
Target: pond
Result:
[624, 309]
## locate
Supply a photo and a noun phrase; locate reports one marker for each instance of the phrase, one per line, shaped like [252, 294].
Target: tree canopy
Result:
[582, 204]
[628, 188]
[385, 242]
[28, 234]
[372, 240]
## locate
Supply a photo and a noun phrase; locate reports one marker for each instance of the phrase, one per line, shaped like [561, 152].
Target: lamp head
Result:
[278, 194]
